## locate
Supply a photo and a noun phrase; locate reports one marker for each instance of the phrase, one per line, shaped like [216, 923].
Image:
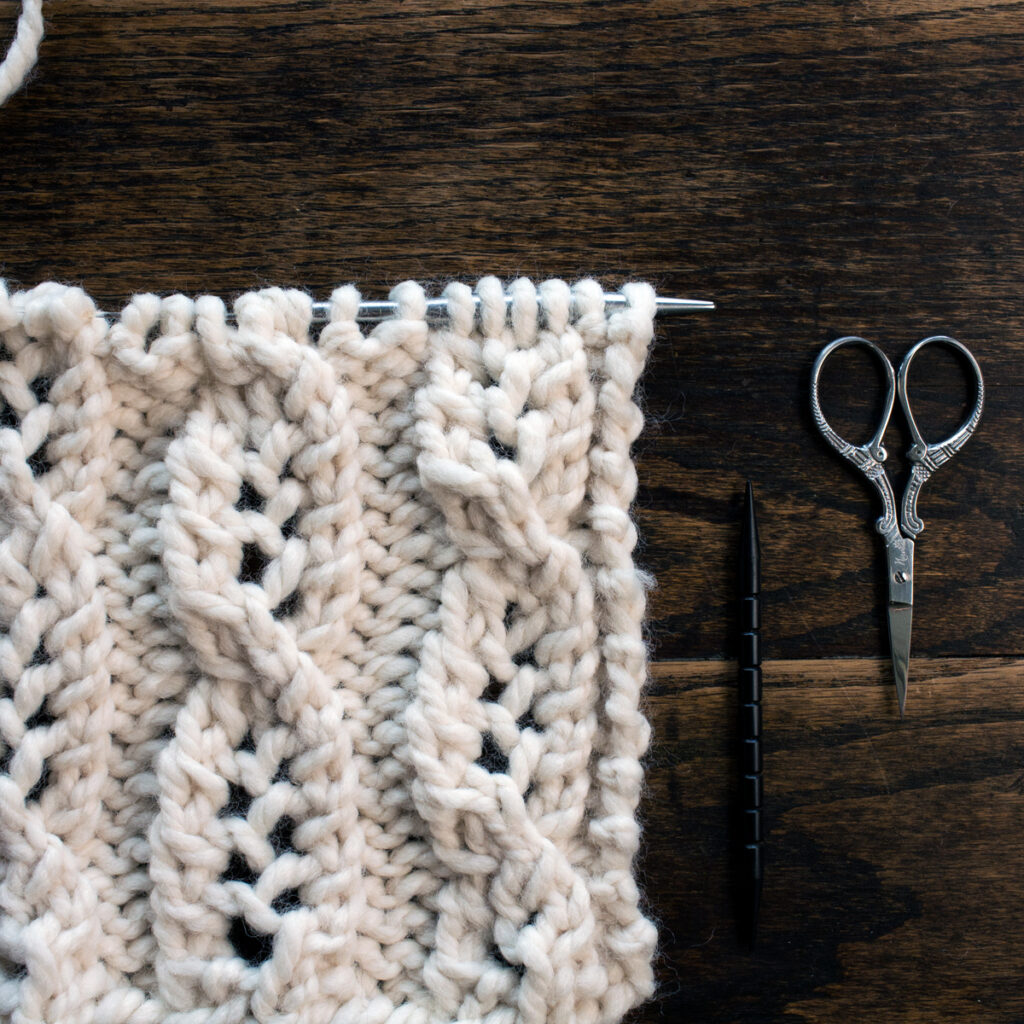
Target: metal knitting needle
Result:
[383, 310]
[372, 311]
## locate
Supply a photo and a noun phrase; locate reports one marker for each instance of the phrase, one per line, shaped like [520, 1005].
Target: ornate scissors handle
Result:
[926, 458]
[868, 458]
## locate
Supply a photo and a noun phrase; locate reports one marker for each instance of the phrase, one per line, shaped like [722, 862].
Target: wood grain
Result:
[729, 419]
[892, 887]
[818, 168]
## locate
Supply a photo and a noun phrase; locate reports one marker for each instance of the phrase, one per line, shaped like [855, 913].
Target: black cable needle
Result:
[751, 866]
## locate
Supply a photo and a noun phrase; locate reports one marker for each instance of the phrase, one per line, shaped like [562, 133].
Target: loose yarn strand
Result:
[24, 49]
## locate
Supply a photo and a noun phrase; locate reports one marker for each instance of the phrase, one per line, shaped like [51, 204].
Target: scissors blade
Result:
[899, 557]
[900, 617]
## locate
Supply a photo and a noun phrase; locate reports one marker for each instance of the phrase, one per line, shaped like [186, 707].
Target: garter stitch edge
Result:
[320, 660]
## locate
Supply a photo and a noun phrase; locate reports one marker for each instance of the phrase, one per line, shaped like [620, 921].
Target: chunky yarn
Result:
[320, 660]
[24, 49]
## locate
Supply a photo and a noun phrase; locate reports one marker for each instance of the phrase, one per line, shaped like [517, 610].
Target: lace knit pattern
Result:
[320, 660]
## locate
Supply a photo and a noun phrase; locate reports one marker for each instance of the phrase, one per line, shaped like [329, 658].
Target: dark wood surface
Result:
[818, 168]
[893, 857]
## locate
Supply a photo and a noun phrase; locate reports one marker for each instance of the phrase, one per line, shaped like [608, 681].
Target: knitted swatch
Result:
[320, 660]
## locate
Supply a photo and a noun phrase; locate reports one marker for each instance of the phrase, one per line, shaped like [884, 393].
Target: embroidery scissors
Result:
[925, 458]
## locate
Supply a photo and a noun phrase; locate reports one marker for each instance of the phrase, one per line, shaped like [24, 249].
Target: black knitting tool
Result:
[750, 859]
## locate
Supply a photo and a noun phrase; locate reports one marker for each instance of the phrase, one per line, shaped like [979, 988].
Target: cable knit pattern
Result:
[320, 660]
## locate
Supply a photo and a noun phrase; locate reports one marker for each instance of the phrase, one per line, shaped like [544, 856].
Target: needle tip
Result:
[671, 305]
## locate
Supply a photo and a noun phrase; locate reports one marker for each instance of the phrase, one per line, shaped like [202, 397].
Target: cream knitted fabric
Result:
[320, 660]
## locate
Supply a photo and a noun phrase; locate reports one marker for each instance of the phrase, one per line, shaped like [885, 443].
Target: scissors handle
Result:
[868, 458]
[926, 458]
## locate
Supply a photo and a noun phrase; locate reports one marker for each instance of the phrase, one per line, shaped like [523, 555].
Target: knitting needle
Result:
[375, 310]
[749, 719]
[382, 310]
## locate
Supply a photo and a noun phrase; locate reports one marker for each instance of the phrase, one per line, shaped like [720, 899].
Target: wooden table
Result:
[818, 168]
